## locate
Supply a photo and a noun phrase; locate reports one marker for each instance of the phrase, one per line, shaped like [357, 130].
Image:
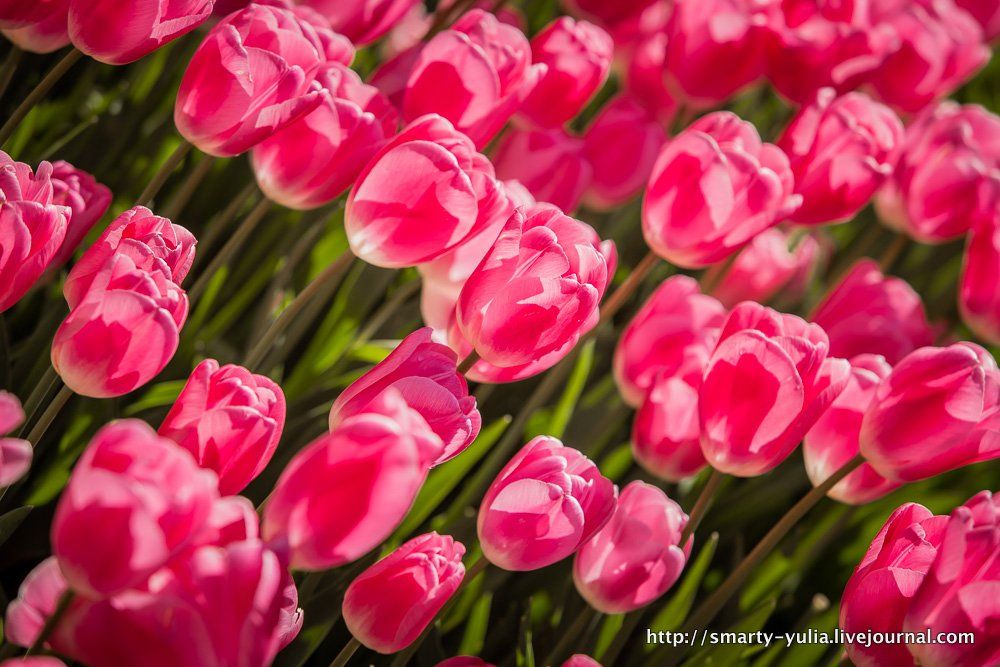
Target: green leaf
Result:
[734, 653]
[158, 396]
[563, 410]
[609, 631]
[671, 616]
[10, 521]
[617, 463]
[474, 636]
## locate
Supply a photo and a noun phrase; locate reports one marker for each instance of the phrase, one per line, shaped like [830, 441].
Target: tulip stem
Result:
[45, 421]
[702, 505]
[582, 621]
[9, 67]
[234, 243]
[163, 173]
[51, 622]
[39, 92]
[708, 609]
[37, 396]
[628, 286]
[713, 275]
[346, 653]
[468, 362]
[189, 187]
[893, 252]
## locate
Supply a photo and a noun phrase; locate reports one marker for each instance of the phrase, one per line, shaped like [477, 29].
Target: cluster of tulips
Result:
[456, 150]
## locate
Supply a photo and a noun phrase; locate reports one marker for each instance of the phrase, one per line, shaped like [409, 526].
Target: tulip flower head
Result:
[551, 164]
[979, 287]
[15, 453]
[41, 27]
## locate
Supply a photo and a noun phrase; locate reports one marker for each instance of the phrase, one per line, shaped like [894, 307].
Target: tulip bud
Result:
[546, 502]
[778, 365]
[133, 501]
[665, 434]
[230, 420]
[15, 454]
[578, 57]
[550, 163]
[635, 558]
[118, 32]
[47, 31]
[767, 268]
[362, 21]
[979, 288]
[87, 199]
[388, 605]
[841, 150]
[938, 410]
[714, 187]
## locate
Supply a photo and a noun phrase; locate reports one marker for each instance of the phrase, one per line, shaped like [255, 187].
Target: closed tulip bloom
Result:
[870, 313]
[537, 290]
[946, 180]
[841, 150]
[545, 503]
[768, 381]
[552, 164]
[423, 372]
[17, 13]
[118, 32]
[230, 420]
[424, 193]
[714, 187]
[476, 74]
[580, 660]
[959, 592]
[348, 490]
[767, 268]
[314, 159]
[87, 199]
[674, 332]
[578, 57]
[665, 433]
[388, 605]
[938, 410]
[15, 454]
[36, 599]
[133, 501]
[151, 241]
[835, 437]
[251, 76]
[362, 21]
[880, 590]
[979, 287]
[986, 13]
[47, 33]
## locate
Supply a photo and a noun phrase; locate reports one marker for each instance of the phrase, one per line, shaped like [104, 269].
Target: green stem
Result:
[45, 385]
[466, 364]
[163, 173]
[9, 67]
[702, 505]
[618, 298]
[38, 94]
[583, 620]
[188, 187]
[234, 243]
[51, 412]
[346, 653]
[51, 622]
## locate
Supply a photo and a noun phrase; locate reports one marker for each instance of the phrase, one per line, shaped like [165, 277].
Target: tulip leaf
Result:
[157, 396]
[575, 384]
[476, 627]
[671, 616]
[734, 653]
[609, 631]
[10, 521]
[617, 462]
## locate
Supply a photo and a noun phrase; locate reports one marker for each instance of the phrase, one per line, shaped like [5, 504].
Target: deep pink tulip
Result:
[362, 21]
[621, 146]
[959, 592]
[423, 372]
[578, 57]
[118, 32]
[476, 74]
[636, 557]
[314, 159]
[124, 331]
[34, 661]
[424, 193]
[841, 150]
[946, 180]
[15, 454]
[834, 438]
[133, 501]
[938, 410]
[674, 332]
[87, 199]
[230, 420]
[879, 592]
[45, 33]
[869, 313]
[344, 493]
[552, 164]
[778, 366]
[152, 242]
[388, 605]
[392, 74]
[546, 502]
[580, 660]
[36, 599]
[714, 187]
[464, 661]
[666, 433]
[607, 13]
[986, 13]
[224, 7]
[335, 47]
[767, 268]
[537, 290]
[18, 13]
[940, 47]
[641, 57]
[979, 288]
[251, 76]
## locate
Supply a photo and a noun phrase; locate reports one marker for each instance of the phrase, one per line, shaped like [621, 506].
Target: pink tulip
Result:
[714, 187]
[251, 76]
[778, 366]
[344, 493]
[17, 13]
[141, 496]
[636, 557]
[607, 13]
[152, 242]
[578, 57]
[580, 660]
[665, 434]
[388, 605]
[47, 32]
[424, 193]
[938, 410]
[959, 592]
[464, 661]
[879, 592]
[869, 313]
[362, 21]
[552, 164]
[33, 661]
[15, 454]
[674, 333]
[979, 288]
[314, 159]
[393, 73]
[225, 7]
[946, 180]
[124, 331]
[834, 438]
[423, 372]
[36, 599]
[986, 13]
[621, 146]
[546, 502]
[537, 290]
[476, 74]
[87, 199]
[118, 32]
[841, 150]
[941, 47]
[767, 268]
[641, 57]
[230, 420]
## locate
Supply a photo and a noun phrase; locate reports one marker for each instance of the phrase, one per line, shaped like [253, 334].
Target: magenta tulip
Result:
[87, 199]
[550, 163]
[986, 13]
[48, 30]
[17, 13]
[362, 21]
[607, 13]
[642, 63]
[666, 433]
[979, 287]
[464, 661]
[15, 453]
[36, 599]
[767, 268]
[580, 660]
